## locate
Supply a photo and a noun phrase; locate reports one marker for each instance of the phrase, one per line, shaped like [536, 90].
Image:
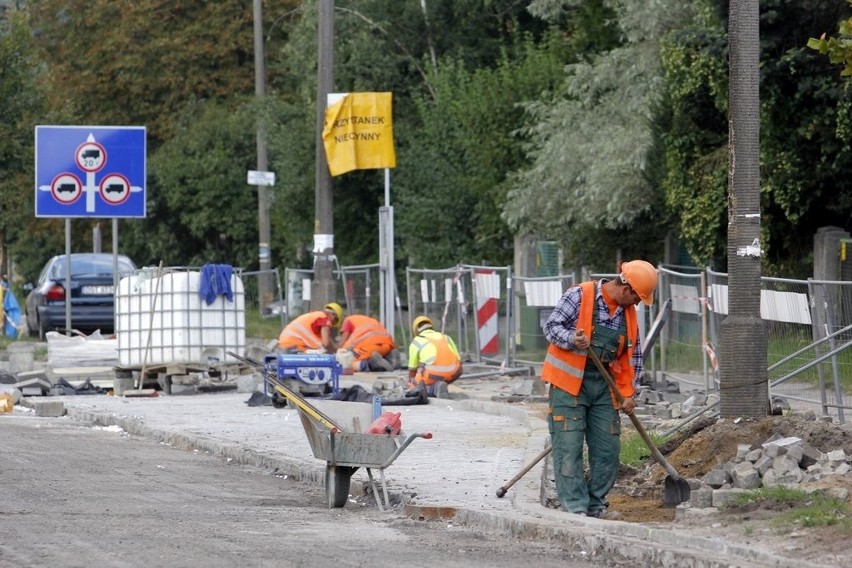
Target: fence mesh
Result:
[357, 288]
[683, 343]
[495, 316]
[534, 300]
[805, 320]
[265, 308]
[444, 296]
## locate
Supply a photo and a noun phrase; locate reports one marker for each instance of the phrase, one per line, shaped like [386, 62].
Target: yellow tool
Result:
[300, 402]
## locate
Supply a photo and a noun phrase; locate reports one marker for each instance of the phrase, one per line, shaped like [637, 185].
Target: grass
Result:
[799, 508]
[6, 342]
[262, 328]
[634, 451]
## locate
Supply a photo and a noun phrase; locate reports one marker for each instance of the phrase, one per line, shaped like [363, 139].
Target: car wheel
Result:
[33, 330]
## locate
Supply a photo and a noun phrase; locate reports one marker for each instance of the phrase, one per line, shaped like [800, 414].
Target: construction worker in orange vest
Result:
[370, 342]
[313, 330]
[433, 359]
[599, 315]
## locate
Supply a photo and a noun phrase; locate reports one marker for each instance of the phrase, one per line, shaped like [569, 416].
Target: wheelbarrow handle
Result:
[405, 444]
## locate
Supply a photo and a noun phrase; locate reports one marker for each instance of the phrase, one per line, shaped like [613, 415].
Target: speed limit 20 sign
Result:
[90, 171]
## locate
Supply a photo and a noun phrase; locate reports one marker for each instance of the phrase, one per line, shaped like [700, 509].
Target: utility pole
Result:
[264, 284]
[323, 289]
[744, 381]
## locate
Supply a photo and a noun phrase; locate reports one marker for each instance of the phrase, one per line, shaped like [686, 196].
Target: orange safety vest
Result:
[564, 369]
[299, 334]
[446, 365]
[368, 336]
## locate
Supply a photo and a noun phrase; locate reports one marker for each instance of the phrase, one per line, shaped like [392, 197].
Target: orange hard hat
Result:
[421, 323]
[337, 310]
[642, 277]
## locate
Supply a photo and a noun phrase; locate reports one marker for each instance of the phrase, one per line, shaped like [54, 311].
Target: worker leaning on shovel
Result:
[599, 315]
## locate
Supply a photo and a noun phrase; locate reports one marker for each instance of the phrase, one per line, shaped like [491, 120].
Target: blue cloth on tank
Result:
[216, 281]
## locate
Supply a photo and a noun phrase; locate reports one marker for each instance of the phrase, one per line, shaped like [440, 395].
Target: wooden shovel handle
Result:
[638, 425]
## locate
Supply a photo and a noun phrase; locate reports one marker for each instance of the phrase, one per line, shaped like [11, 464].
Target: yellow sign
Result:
[358, 133]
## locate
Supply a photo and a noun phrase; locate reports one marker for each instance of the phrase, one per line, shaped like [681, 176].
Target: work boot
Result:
[395, 359]
[377, 363]
[442, 390]
[605, 514]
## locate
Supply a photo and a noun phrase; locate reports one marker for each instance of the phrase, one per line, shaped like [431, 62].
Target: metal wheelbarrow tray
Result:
[344, 452]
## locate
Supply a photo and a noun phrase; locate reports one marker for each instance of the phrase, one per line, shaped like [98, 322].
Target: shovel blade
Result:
[675, 491]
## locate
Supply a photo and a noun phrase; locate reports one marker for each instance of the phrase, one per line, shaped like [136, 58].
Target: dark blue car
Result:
[92, 293]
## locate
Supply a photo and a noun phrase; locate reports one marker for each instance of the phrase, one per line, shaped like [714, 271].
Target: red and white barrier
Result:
[487, 284]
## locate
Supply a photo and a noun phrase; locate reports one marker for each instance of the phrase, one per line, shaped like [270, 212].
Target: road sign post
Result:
[104, 163]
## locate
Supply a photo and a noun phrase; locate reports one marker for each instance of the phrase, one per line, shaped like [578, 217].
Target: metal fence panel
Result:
[356, 289]
[534, 300]
[495, 316]
[805, 321]
[444, 296]
[491, 312]
[265, 308]
[684, 337]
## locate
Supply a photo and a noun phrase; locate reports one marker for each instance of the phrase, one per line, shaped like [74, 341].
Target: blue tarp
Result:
[13, 314]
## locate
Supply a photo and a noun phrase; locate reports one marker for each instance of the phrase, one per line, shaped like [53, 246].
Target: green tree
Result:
[692, 126]
[838, 49]
[455, 159]
[157, 64]
[402, 47]
[591, 144]
[805, 133]
[137, 62]
[200, 193]
[21, 103]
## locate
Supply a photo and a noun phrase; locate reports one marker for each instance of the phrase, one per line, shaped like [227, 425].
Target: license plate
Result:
[98, 290]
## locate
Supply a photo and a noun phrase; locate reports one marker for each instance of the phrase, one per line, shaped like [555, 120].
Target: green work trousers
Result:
[589, 417]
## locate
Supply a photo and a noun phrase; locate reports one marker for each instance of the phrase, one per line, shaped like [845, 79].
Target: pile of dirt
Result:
[637, 494]
[714, 443]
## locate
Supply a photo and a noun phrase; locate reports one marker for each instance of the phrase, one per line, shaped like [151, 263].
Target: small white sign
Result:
[260, 178]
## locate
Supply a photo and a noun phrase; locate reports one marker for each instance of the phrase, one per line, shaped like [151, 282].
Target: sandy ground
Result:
[637, 494]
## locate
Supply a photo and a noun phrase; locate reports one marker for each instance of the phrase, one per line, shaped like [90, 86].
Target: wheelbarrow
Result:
[344, 452]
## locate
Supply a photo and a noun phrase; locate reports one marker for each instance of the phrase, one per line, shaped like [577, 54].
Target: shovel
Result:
[529, 466]
[675, 489]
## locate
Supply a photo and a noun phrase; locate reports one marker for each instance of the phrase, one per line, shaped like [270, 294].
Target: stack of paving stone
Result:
[779, 461]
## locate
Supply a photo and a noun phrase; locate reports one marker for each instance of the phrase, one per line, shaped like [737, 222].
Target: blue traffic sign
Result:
[90, 171]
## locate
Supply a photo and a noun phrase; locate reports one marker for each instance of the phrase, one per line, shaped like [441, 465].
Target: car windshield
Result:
[91, 267]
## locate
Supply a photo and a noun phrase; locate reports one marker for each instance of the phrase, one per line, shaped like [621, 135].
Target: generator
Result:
[303, 373]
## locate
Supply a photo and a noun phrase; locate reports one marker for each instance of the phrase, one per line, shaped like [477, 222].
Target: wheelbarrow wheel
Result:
[337, 479]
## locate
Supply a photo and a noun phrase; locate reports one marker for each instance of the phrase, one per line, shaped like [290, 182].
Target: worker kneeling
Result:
[370, 343]
[433, 359]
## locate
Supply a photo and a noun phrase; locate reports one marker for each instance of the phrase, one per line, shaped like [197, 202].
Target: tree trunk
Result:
[744, 378]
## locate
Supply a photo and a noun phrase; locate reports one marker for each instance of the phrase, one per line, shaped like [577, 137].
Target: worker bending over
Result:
[599, 315]
[313, 330]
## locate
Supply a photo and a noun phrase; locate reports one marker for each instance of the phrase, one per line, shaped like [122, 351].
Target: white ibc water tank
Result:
[166, 317]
